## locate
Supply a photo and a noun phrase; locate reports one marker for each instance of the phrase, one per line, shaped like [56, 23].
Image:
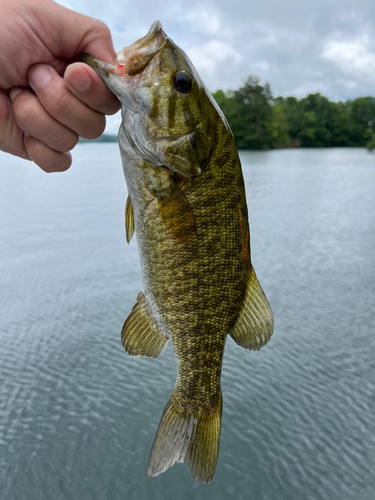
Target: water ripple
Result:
[78, 416]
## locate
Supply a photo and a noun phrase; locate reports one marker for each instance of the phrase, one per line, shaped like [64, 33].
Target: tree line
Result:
[259, 121]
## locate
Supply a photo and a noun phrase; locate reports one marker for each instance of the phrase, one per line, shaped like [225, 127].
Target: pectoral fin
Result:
[254, 325]
[129, 219]
[140, 335]
[177, 215]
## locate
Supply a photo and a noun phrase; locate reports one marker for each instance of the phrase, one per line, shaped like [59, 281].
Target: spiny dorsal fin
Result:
[140, 335]
[254, 325]
[129, 219]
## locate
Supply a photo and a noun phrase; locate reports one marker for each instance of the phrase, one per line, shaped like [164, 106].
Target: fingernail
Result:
[39, 76]
[81, 81]
[25, 156]
[13, 93]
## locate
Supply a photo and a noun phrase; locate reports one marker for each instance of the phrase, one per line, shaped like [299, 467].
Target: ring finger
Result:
[34, 120]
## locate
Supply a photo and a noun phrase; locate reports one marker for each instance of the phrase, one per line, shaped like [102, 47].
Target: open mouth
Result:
[140, 53]
[134, 58]
[121, 78]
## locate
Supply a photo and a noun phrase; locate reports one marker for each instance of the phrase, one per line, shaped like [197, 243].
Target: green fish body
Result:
[187, 206]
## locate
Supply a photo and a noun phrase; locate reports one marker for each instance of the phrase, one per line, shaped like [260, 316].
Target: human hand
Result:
[42, 113]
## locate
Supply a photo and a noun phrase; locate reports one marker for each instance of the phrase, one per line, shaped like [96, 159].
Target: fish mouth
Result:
[139, 54]
[121, 78]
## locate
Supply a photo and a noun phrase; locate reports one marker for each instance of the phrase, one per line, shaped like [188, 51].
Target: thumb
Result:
[70, 33]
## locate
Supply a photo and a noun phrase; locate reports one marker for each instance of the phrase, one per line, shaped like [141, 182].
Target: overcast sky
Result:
[298, 46]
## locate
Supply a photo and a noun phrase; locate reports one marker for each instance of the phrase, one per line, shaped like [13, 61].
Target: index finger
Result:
[85, 84]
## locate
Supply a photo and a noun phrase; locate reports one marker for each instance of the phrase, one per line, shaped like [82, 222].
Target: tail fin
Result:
[187, 438]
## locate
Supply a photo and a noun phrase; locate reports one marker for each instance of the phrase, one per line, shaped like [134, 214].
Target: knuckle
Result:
[65, 165]
[72, 142]
[66, 142]
[60, 105]
[96, 130]
[4, 111]
[59, 163]
[36, 147]
[25, 113]
[103, 31]
[46, 158]
[4, 120]
[114, 108]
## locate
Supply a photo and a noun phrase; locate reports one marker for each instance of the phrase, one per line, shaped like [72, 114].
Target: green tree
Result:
[253, 129]
[279, 127]
[226, 104]
[260, 122]
[362, 117]
[319, 112]
[292, 110]
[309, 129]
[339, 124]
[370, 136]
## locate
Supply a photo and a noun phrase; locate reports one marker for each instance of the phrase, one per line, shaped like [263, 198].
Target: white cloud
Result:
[355, 58]
[291, 44]
[208, 57]
[204, 21]
[66, 4]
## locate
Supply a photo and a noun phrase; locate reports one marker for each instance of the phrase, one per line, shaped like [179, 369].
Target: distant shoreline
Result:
[102, 138]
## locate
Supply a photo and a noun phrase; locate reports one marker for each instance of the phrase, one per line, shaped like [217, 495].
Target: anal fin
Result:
[140, 335]
[254, 325]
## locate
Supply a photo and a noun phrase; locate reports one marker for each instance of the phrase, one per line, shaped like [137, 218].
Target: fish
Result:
[187, 206]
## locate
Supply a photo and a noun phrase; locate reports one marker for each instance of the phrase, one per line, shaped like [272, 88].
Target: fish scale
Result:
[188, 206]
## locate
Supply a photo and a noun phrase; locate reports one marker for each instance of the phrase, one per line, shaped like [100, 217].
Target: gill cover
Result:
[163, 100]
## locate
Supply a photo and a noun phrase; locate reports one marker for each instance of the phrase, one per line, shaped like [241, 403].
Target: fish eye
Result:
[183, 82]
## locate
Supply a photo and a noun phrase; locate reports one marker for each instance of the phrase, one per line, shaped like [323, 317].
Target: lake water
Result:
[78, 415]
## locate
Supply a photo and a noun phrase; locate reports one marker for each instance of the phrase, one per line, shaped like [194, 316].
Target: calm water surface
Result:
[78, 416]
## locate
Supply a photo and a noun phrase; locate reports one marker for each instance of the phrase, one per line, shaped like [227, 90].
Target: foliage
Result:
[362, 118]
[279, 127]
[258, 121]
[370, 144]
[250, 115]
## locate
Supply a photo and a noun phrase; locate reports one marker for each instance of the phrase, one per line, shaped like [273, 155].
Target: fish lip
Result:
[152, 32]
[123, 78]
[117, 81]
[132, 59]
[99, 66]
[123, 55]
[137, 56]
[138, 44]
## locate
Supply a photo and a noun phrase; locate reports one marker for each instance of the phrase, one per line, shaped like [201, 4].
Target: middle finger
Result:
[62, 105]
[34, 120]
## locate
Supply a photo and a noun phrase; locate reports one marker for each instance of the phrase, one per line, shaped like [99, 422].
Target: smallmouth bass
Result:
[187, 206]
